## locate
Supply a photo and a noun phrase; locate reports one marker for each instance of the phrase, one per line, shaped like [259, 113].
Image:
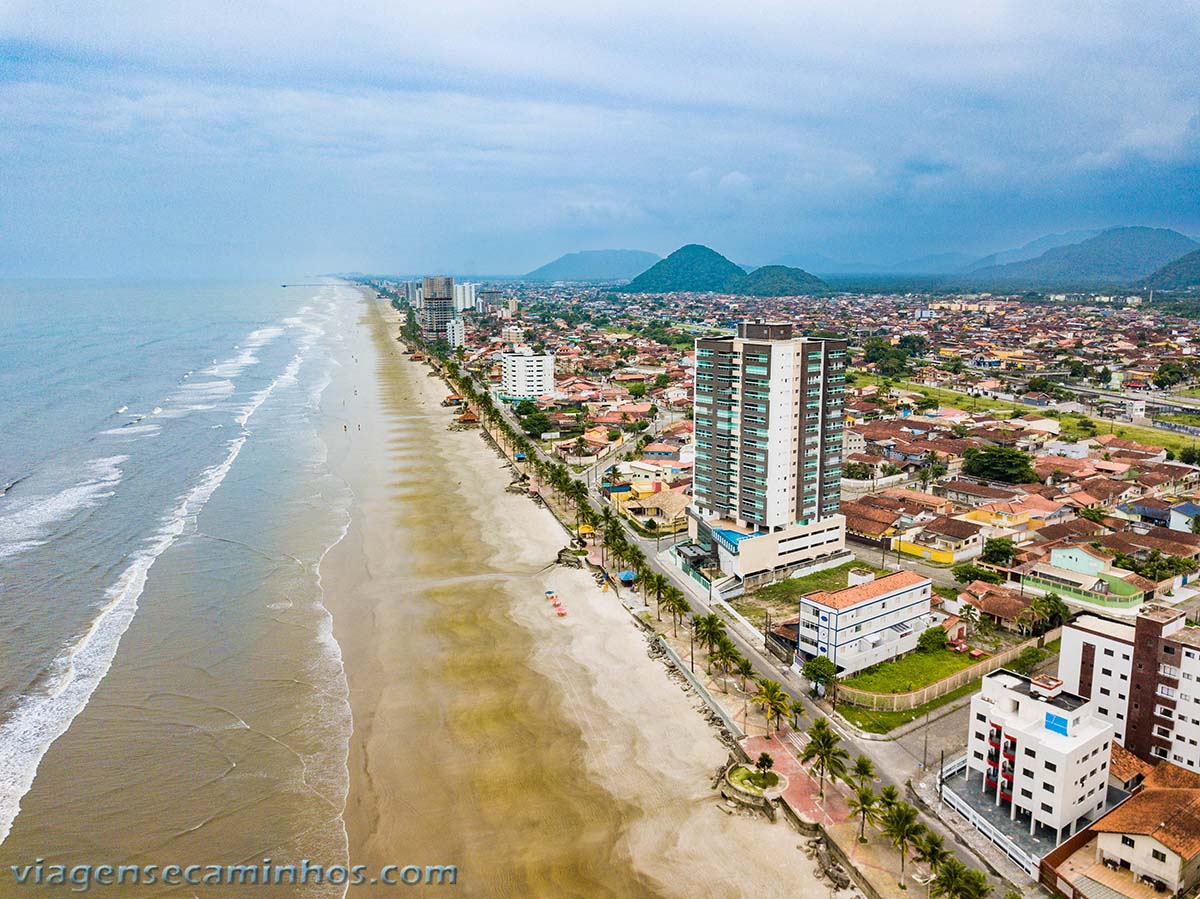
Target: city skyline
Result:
[206, 140]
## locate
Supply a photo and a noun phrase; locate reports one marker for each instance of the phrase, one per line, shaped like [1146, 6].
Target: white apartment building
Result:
[870, 621]
[464, 296]
[456, 333]
[1040, 751]
[769, 420]
[1095, 662]
[525, 375]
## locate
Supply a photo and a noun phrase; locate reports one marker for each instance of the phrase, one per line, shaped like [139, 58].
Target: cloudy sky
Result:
[192, 138]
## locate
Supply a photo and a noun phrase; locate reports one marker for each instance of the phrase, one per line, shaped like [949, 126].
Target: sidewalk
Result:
[803, 790]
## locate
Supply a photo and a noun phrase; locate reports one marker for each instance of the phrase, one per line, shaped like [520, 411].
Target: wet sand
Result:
[542, 756]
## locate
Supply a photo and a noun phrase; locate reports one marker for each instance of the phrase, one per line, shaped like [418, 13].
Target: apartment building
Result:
[870, 621]
[1095, 662]
[456, 333]
[1041, 751]
[1144, 679]
[525, 375]
[437, 307]
[768, 427]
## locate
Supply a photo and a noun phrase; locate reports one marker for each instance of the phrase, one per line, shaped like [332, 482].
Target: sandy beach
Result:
[544, 756]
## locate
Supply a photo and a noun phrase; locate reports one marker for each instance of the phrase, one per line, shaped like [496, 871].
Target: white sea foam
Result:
[133, 430]
[28, 522]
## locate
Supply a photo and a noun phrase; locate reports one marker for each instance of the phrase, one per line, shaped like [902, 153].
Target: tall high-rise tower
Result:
[437, 307]
[769, 419]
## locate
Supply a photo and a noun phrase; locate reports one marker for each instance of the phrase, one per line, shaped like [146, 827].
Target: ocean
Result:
[170, 689]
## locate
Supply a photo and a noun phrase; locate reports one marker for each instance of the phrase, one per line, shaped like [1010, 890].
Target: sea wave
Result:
[41, 718]
[28, 522]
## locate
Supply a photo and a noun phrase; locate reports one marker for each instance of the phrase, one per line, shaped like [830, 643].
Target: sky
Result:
[149, 139]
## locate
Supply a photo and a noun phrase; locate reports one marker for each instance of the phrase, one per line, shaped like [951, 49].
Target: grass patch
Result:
[752, 781]
[913, 671]
[946, 591]
[1054, 645]
[782, 599]
[883, 722]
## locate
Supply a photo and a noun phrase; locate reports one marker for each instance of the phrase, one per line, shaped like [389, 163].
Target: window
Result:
[1158, 855]
[1050, 766]
[1046, 807]
[978, 755]
[1048, 787]
[1107, 672]
[1127, 840]
[1108, 652]
[1104, 691]
[1026, 794]
[981, 717]
[1027, 772]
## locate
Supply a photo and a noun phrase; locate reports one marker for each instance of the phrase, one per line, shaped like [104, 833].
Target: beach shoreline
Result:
[544, 755]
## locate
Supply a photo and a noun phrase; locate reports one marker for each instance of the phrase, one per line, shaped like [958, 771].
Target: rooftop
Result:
[852, 596]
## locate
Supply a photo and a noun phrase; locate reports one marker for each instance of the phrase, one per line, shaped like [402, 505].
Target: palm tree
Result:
[889, 796]
[931, 850]
[656, 584]
[745, 669]
[725, 656]
[974, 885]
[678, 606]
[824, 750]
[900, 825]
[865, 804]
[797, 711]
[709, 628]
[950, 879]
[969, 615]
[772, 699]
[863, 771]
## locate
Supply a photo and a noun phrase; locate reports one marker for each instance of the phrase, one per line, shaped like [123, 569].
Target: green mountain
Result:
[1181, 274]
[594, 265]
[691, 269]
[1115, 256]
[780, 281]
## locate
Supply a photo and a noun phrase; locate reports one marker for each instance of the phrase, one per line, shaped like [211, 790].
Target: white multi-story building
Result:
[526, 375]
[869, 622]
[512, 334]
[464, 296]
[1040, 751]
[1096, 662]
[456, 333]
[768, 413]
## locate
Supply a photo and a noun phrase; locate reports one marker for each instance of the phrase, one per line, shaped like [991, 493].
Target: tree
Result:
[900, 825]
[863, 770]
[658, 584]
[998, 551]
[661, 381]
[974, 885]
[537, 424]
[637, 389]
[772, 700]
[797, 712]
[525, 407]
[709, 629]
[949, 881]
[969, 615]
[999, 463]
[1027, 659]
[762, 765]
[724, 656]
[857, 471]
[825, 752]
[864, 804]
[744, 669]
[931, 850]
[888, 797]
[819, 671]
[966, 572]
[932, 639]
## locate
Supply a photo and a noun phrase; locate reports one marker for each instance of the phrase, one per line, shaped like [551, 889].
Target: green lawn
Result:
[883, 722]
[752, 781]
[913, 671]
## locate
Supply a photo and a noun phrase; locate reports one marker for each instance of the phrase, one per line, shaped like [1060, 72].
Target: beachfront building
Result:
[437, 307]
[870, 621]
[768, 436]
[525, 375]
[456, 333]
[1039, 753]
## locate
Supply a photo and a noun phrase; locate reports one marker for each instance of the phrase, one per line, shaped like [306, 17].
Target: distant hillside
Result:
[936, 264]
[1115, 256]
[693, 268]
[595, 265]
[1181, 274]
[780, 281]
[1032, 250]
